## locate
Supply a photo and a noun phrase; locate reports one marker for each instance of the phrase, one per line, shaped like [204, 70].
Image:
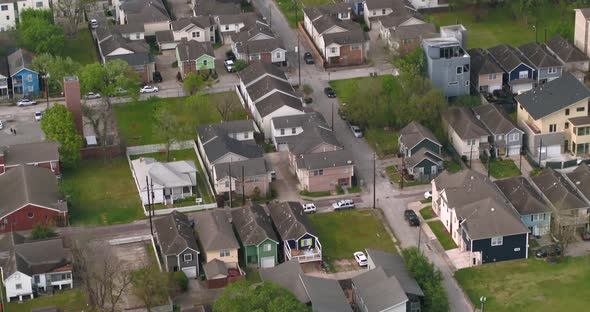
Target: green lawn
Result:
[384, 142]
[503, 169]
[315, 194]
[451, 166]
[529, 285]
[135, 119]
[81, 48]
[67, 301]
[354, 189]
[341, 233]
[287, 7]
[426, 201]
[442, 235]
[427, 213]
[101, 193]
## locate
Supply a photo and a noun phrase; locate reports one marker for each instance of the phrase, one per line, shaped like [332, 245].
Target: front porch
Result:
[305, 254]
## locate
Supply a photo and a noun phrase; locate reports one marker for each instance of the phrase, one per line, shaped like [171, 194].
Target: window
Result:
[567, 111]
[523, 74]
[278, 55]
[4, 7]
[39, 4]
[553, 128]
[374, 12]
[344, 15]
[30, 78]
[332, 50]
[7, 17]
[246, 135]
[187, 257]
[355, 47]
[18, 286]
[454, 83]
[255, 57]
[497, 241]
[227, 183]
[580, 109]
[306, 242]
[513, 137]
[319, 172]
[137, 36]
[224, 253]
[471, 142]
[293, 130]
[30, 215]
[567, 125]
[467, 83]
[552, 70]
[583, 130]
[466, 68]
[267, 247]
[226, 27]
[282, 131]
[383, 11]
[459, 70]
[198, 34]
[536, 217]
[37, 279]
[204, 62]
[492, 77]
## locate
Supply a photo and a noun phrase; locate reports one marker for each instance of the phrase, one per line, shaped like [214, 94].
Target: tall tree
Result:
[58, 125]
[37, 32]
[70, 13]
[152, 287]
[244, 296]
[193, 83]
[429, 278]
[168, 127]
[57, 67]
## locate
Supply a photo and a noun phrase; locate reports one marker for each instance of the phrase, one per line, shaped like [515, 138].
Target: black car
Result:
[411, 217]
[157, 76]
[308, 58]
[548, 251]
[586, 235]
[329, 92]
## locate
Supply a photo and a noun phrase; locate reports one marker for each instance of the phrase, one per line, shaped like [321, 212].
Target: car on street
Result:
[1, 125]
[229, 65]
[356, 131]
[343, 204]
[309, 208]
[411, 217]
[26, 102]
[92, 95]
[308, 58]
[585, 234]
[149, 89]
[118, 92]
[329, 92]
[38, 116]
[548, 251]
[428, 195]
[360, 258]
[93, 23]
[157, 76]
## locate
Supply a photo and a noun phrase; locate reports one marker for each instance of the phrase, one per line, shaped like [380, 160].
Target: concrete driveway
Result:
[286, 184]
[164, 65]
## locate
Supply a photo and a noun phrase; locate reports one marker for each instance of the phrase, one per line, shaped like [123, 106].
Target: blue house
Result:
[519, 73]
[25, 81]
[357, 6]
[298, 238]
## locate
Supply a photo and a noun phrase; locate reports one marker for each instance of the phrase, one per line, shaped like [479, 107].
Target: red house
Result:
[42, 154]
[29, 196]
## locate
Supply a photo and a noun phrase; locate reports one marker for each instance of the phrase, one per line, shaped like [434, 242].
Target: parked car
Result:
[1, 125]
[309, 208]
[343, 204]
[92, 95]
[585, 234]
[428, 195]
[360, 258]
[356, 131]
[229, 65]
[411, 217]
[548, 251]
[149, 89]
[26, 102]
[118, 92]
[157, 76]
[38, 116]
[330, 92]
[93, 23]
[308, 58]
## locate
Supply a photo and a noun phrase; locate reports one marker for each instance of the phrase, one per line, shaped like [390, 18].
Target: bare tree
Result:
[565, 235]
[151, 286]
[71, 13]
[225, 106]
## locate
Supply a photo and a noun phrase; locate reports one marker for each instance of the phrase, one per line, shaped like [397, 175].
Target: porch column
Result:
[59, 286]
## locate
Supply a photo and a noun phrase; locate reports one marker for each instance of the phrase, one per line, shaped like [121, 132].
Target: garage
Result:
[190, 272]
[513, 150]
[553, 151]
[521, 88]
[267, 262]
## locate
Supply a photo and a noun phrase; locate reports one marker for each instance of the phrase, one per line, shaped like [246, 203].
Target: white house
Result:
[466, 133]
[7, 15]
[229, 24]
[152, 14]
[197, 28]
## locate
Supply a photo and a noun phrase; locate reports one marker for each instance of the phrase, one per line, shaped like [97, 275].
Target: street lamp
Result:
[482, 299]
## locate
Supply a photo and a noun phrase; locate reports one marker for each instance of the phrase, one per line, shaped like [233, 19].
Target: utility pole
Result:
[419, 235]
[148, 205]
[401, 180]
[269, 16]
[520, 160]
[471, 155]
[374, 179]
[298, 50]
[488, 163]
[46, 76]
[332, 116]
[230, 199]
[243, 189]
[540, 149]
[152, 208]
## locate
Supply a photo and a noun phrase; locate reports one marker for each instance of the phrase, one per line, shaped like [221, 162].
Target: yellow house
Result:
[216, 236]
[555, 118]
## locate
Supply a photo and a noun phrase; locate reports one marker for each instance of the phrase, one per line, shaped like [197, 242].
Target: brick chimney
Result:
[73, 101]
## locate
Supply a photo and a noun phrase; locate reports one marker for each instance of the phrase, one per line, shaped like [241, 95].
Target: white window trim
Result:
[190, 257]
[497, 241]
[306, 242]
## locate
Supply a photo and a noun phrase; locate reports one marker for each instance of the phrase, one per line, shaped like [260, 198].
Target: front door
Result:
[433, 170]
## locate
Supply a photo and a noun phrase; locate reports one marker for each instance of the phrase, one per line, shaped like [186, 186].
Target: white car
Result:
[428, 195]
[360, 258]
[38, 116]
[229, 65]
[149, 89]
[93, 23]
[92, 95]
[1, 125]
[309, 208]
[356, 130]
[343, 204]
[25, 102]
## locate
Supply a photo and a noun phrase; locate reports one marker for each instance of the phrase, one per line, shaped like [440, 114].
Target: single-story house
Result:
[258, 241]
[177, 245]
[41, 154]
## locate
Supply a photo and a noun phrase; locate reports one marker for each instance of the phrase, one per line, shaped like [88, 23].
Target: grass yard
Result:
[442, 235]
[427, 213]
[66, 301]
[451, 166]
[384, 142]
[135, 119]
[315, 194]
[503, 169]
[81, 48]
[101, 193]
[426, 201]
[529, 285]
[287, 7]
[342, 233]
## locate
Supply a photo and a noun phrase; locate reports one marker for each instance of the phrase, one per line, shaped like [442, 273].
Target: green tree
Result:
[57, 67]
[413, 63]
[429, 278]
[192, 83]
[42, 232]
[168, 127]
[58, 125]
[37, 32]
[151, 286]
[244, 296]
[71, 13]
[240, 65]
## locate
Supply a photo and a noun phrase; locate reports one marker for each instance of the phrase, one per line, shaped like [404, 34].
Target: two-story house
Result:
[465, 132]
[25, 81]
[151, 13]
[486, 74]
[575, 61]
[581, 27]
[196, 28]
[448, 65]
[249, 177]
[216, 7]
[555, 119]
[195, 57]
[130, 31]
[375, 10]
[4, 77]
[229, 24]
[546, 66]
[8, 15]
[298, 238]
[177, 245]
[421, 151]
[505, 137]
[404, 39]
[257, 42]
[519, 73]
[258, 241]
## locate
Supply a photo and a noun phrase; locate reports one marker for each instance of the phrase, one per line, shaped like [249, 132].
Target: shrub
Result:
[42, 232]
[339, 189]
[308, 100]
[464, 158]
[307, 89]
[175, 64]
[256, 194]
[240, 65]
[180, 281]
[484, 158]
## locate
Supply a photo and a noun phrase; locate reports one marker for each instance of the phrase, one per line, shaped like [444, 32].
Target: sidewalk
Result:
[337, 276]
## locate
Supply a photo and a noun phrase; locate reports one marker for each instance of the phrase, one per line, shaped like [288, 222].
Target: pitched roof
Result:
[287, 275]
[496, 121]
[414, 133]
[314, 12]
[252, 167]
[379, 292]
[249, 32]
[347, 37]
[325, 160]
[116, 41]
[203, 22]
[259, 46]
[482, 63]
[175, 234]
[579, 121]
[553, 96]
[215, 231]
[398, 6]
[558, 191]
[326, 295]
[145, 11]
[162, 174]
[393, 265]
[247, 18]
[41, 256]
[421, 154]
[18, 60]
[257, 69]
[538, 56]
[275, 101]
[290, 220]
[134, 59]
[464, 123]
[522, 195]
[164, 36]
[215, 269]
[414, 31]
[585, 12]
[29, 153]
[566, 50]
[580, 177]
[130, 28]
[254, 226]
[508, 57]
[192, 50]
[29, 185]
[267, 84]
[315, 132]
[216, 7]
[217, 140]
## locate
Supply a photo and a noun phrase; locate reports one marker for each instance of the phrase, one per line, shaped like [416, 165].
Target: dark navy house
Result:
[519, 73]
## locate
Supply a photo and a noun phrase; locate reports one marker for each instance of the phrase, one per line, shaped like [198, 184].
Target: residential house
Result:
[219, 244]
[195, 28]
[486, 74]
[554, 118]
[4, 76]
[258, 42]
[131, 31]
[266, 93]
[295, 231]
[250, 177]
[114, 44]
[465, 132]
[429, 4]
[30, 196]
[177, 245]
[375, 10]
[195, 57]
[581, 27]
[340, 41]
[41, 154]
[374, 291]
[228, 24]
[534, 211]
[519, 73]
[216, 7]
[152, 14]
[448, 65]
[32, 268]
[25, 81]
[143, 63]
[8, 14]
[575, 61]
[580, 178]
[568, 202]
[168, 182]
[422, 152]
[546, 66]
[479, 218]
[505, 137]
[315, 155]
[404, 39]
[258, 241]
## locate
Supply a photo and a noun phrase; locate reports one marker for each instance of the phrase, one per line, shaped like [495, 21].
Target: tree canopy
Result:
[108, 78]
[244, 296]
[169, 128]
[429, 278]
[58, 125]
[192, 83]
[37, 32]
[57, 67]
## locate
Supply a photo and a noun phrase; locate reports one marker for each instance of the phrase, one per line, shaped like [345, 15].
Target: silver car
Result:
[26, 102]
[356, 131]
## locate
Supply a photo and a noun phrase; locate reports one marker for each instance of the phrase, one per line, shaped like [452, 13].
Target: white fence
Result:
[160, 212]
[154, 148]
[129, 240]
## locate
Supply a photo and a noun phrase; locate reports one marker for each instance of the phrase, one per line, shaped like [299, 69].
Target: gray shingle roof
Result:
[493, 119]
[215, 269]
[248, 18]
[145, 11]
[259, 46]
[117, 41]
[42, 256]
[558, 191]
[414, 133]
[254, 226]
[482, 63]
[314, 12]
[580, 177]
[276, 100]
[135, 59]
[553, 96]
[348, 37]
[566, 50]
[252, 167]
[28, 153]
[249, 32]
[538, 56]
[462, 120]
[130, 28]
[326, 295]
[215, 8]
[203, 22]
[522, 195]
[287, 275]
[399, 6]
[267, 84]
[175, 234]
[18, 60]
[214, 230]
[379, 292]
[508, 57]
[324, 160]
[421, 154]
[257, 69]
[164, 36]
[217, 142]
[290, 220]
[192, 50]
[415, 31]
[393, 265]
[315, 132]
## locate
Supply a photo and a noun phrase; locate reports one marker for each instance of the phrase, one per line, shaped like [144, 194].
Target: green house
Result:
[258, 241]
[194, 56]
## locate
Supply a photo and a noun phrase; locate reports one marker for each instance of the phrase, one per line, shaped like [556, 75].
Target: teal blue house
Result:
[421, 151]
[258, 241]
[25, 81]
